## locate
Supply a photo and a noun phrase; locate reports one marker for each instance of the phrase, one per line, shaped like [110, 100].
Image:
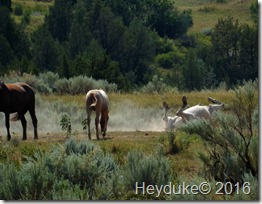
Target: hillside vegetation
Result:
[133, 44]
[206, 12]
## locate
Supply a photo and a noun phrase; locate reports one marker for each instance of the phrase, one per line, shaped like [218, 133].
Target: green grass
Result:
[238, 9]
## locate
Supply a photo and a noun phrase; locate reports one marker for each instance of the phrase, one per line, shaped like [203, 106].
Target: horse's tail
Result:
[93, 99]
[15, 117]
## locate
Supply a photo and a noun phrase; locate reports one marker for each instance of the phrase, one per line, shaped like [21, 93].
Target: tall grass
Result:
[235, 8]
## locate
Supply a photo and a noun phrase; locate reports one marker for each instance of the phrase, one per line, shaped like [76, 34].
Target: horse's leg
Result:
[103, 125]
[97, 123]
[7, 125]
[105, 128]
[23, 122]
[34, 121]
[88, 123]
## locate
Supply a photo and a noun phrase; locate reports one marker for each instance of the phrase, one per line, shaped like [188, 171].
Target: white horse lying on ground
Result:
[183, 115]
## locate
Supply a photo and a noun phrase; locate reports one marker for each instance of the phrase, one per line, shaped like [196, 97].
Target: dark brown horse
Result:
[18, 98]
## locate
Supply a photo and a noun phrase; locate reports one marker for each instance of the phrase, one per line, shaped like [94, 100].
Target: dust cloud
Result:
[129, 117]
[124, 116]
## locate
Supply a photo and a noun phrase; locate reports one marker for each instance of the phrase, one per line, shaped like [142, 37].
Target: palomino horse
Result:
[18, 98]
[97, 100]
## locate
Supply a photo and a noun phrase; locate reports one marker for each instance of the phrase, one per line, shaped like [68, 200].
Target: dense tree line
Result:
[128, 42]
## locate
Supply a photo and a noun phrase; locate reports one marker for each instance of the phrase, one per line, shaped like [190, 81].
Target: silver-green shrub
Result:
[72, 147]
[231, 138]
[49, 82]
[83, 164]
[157, 85]
[49, 78]
[36, 82]
[153, 170]
[29, 182]
[74, 171]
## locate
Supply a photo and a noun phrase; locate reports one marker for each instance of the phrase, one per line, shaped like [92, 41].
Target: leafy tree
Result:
[64, 68]
[175, 77]
[80, 34]
[94, 14]
[225, 39]
[6, 3]
[80, 65]
[109, 31]
[46, 53]
[58, 21]
[125, 9]
[235, 51]
[167, 20]
[96, 59]
[137, 51]
[18, 11]
[6, 52]
[15, 43]
[248, 54]
[96, 63]
[194, 71]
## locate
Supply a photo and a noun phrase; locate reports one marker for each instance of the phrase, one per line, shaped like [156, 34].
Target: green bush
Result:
[65, 124]
[81, 84]
[49, 82]
[11, 187]
[61, 86]
[153, 170]
[174, 143]
[72, 171]
[84, 165]
[72, 147]
[157, 85]
[166, 60]
[64, 190]
[49, 78]
[232, 138]
[30, 182]
[18, 11]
